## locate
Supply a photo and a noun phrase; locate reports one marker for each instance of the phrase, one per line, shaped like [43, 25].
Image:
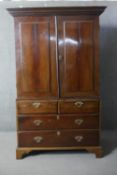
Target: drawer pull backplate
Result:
[78, 121]
[36, 105]
[78, 138]
[37, 122]
[78, 104]
[38, 139]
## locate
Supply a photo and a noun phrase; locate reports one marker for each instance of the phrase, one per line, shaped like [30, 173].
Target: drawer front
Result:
[79, 122]
[37, 122]
[78, 106]
[58, 138]
[29, 106]
[58, 122]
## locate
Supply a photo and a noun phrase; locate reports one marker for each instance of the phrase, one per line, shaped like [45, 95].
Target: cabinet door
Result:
[36, 57]
[78, 56]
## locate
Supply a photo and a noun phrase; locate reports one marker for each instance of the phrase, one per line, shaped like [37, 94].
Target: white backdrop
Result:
[108, 57]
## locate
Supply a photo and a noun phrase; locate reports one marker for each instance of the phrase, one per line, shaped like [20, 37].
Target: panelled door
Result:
[40, 64]
[78, 60]
[36, 57]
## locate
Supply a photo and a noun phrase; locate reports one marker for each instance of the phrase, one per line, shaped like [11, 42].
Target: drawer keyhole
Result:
[58, 133]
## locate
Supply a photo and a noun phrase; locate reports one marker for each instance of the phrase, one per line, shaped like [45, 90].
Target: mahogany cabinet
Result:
[57, 68]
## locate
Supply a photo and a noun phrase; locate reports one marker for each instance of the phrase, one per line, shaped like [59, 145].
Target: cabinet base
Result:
[21, 152]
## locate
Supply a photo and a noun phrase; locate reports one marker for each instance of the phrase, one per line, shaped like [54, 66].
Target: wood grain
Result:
[57, 69]
[36, 66]
[36, 106]
[77, 49]
[58, 138]
[70, 106]
[46, 122]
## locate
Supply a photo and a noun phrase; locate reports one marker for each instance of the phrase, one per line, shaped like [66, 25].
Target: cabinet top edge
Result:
[81, 10]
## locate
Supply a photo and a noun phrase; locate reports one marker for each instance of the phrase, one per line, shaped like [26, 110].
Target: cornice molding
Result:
[88, 10]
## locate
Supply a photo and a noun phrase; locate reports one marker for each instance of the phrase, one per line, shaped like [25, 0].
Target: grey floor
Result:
[58, 163]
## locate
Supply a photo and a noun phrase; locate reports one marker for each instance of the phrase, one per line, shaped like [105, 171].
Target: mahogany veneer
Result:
[71, 121]
[57, 68]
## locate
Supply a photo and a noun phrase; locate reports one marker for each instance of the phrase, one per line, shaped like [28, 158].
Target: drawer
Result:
[89, 121]
[79, 106]
[33, 122]
[60, 138]
[30, 106]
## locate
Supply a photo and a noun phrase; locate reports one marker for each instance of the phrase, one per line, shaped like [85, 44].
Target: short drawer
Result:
[29, 106]
[45, 122]
[59, 138]
[78, 106]
[35, 122]
[89, 121]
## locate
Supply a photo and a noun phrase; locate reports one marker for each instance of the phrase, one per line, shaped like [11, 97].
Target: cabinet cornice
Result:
[89, 10]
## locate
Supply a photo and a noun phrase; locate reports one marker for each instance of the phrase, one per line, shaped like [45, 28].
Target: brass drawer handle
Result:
[78, 121]
[37, 122]
[36, 105]
[78, 138]
[78, 104]
[38, 139]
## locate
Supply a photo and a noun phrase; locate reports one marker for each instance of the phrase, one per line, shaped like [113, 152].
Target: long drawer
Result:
[36, 106]
[61, 138]
[79, 106]
[39, 122]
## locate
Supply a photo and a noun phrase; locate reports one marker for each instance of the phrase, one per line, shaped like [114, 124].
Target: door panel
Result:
[77, 57]
[36, 57]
